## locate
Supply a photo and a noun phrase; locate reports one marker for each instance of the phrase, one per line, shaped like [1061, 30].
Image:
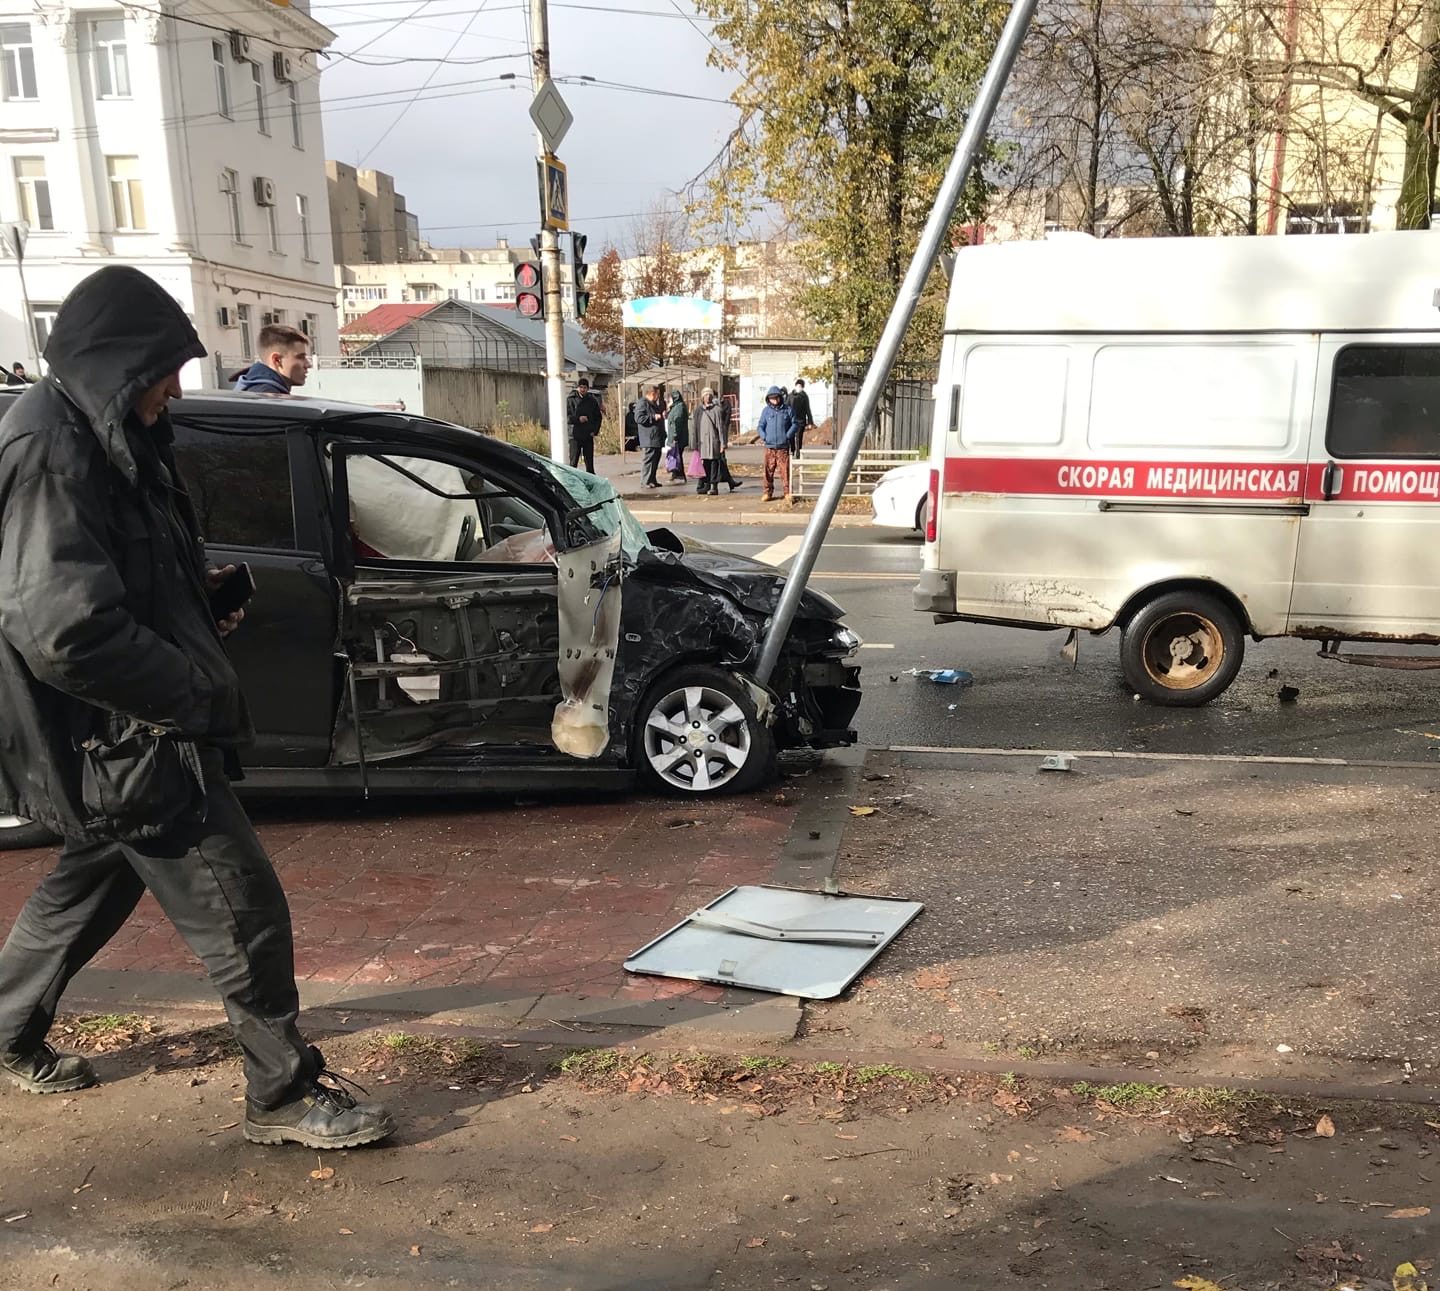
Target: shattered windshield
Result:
[610, 514]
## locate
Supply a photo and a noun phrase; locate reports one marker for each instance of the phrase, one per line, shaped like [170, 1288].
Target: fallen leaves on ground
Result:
[755, 1243]
[1407, 1278]
[1073, 1134]
[1325, 1128]
[541, 1228]
[863, 811]
[1196, 1283]
[932, 979]
[1409, 1212]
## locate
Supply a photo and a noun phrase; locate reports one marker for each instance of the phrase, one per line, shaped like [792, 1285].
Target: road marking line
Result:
[1114, 755]
[777, 553]
[877, 645]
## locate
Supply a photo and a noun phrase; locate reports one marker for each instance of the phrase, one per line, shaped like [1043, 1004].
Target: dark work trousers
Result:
[217, 887]
[717, 472]
[649, 464]
[583, 446]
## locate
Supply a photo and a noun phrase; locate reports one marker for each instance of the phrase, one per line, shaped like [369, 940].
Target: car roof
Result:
[254, 413]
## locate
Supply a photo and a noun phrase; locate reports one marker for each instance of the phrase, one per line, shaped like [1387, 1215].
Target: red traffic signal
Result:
[529, 290]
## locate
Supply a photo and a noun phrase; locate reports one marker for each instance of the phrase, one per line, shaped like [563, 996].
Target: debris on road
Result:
[945, 676]
[1058, 762]
[1289, 694]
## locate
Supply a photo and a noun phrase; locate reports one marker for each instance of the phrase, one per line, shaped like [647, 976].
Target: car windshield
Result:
[609, 515]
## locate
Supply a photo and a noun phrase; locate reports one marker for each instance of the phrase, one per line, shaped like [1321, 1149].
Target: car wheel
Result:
[700, 734]
[16, 832]
[922, 514]
[1182, 649]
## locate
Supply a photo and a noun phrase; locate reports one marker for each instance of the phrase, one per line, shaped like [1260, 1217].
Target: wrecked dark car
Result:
[438, 611]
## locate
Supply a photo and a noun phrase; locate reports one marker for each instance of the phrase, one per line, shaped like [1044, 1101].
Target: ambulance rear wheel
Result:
[1182, 649]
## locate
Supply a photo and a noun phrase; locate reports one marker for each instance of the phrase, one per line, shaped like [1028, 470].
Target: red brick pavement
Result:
[540, 899]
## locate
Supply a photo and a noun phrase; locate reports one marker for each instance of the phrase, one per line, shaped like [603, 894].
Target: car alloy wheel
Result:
[697, 739]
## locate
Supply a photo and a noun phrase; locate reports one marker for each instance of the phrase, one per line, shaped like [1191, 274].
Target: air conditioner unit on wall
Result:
[225, 316]
[239, 46]
[269, 319]
[284, 67]
[264, 191]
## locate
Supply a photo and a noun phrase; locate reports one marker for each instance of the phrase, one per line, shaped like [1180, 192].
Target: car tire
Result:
[922, 514]
[17, 833]
[1182, 649]
[699, 709]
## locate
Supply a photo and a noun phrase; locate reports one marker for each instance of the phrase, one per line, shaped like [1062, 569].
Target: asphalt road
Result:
[1025, 696]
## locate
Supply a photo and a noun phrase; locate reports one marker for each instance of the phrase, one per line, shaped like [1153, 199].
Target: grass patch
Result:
[97, 1026]
[596, 1064]
[1129, 1096]
[763, 1064]
[828, 1068]
[1214, 1101]
[1010, 1081]
[428, 1052]
[887, 1071]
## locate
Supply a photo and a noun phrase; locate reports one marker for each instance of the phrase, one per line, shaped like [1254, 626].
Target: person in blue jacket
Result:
[777, 433]
[284, 361]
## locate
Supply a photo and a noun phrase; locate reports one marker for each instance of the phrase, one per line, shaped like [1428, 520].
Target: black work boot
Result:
[322, 1116]
[43, 1071]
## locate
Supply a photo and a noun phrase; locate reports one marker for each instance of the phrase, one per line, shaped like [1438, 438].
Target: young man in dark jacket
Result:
[650, 424]
[123, 713]
[284, 361]
[801, 415]
[583, 412]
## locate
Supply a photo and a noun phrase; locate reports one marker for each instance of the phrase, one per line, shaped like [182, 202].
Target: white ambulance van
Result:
[1195, 440]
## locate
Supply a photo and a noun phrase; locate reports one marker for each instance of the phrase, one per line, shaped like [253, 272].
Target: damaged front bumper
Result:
[817, 688]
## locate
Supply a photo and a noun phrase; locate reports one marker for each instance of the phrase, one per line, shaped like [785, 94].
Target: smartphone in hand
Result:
[233, 593]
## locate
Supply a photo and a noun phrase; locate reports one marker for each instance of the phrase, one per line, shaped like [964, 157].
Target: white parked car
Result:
[901, 497]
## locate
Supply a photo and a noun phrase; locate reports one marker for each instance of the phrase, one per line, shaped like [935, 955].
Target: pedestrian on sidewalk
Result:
[123, 714]
[650, 426]
[583, 412]
[677, 436]
[776, 432]
[284, 361]
[712, 434]
[17, 376]
[800, 413]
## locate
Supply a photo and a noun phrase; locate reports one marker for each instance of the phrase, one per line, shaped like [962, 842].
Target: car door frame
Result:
[541, 580]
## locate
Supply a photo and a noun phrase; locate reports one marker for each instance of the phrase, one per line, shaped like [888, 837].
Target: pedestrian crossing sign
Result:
[554, 194]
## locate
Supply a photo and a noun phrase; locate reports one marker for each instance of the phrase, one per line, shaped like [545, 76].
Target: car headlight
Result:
[846, 641]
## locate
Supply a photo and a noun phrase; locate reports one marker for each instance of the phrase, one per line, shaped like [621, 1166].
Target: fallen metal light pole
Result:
[908, 297]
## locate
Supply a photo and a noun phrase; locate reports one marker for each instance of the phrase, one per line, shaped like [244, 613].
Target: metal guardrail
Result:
[809, 470]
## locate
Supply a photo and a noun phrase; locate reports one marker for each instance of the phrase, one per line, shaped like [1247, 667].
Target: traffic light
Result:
[529, 290]
[580, 272]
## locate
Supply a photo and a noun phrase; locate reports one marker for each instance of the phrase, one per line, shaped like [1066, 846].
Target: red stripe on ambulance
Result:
[1054, 477]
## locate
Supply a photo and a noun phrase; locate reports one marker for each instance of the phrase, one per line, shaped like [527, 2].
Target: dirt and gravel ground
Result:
[527, 1167]
[1221, 919]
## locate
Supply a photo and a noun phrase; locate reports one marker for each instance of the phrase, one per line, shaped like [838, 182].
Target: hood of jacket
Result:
[116, 335]
[774, 390]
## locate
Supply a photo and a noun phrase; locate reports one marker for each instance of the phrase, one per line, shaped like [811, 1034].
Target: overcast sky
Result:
[464, 156]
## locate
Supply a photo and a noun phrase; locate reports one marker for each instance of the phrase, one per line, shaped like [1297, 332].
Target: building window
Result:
[504, 291]
[247, 340]
[17, 61]
[127, 197]
[272, 217]
[302, 209]
[230, 187]
[34, 192]
[43, 316]
[222, 77]
[310, 325]
[112, 61]
[257, 78]
[296, 137]
[365, 293]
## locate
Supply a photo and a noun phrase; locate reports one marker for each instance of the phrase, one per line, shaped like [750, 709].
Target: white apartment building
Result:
[184, 143]
[475, 275]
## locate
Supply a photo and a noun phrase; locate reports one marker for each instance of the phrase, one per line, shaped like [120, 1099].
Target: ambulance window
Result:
[1014, 394]
[1385, 402]
[1220, 395]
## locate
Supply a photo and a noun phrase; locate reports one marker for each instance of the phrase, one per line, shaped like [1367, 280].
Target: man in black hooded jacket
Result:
[122, 713]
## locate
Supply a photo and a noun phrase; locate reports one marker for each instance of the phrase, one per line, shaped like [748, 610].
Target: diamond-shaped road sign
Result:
[551, 116]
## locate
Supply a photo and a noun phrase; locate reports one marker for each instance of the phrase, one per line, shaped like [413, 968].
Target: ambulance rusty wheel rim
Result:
[697, 739]
[1183, 650]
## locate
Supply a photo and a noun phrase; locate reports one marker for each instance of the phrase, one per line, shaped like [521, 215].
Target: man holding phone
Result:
[123, 713]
